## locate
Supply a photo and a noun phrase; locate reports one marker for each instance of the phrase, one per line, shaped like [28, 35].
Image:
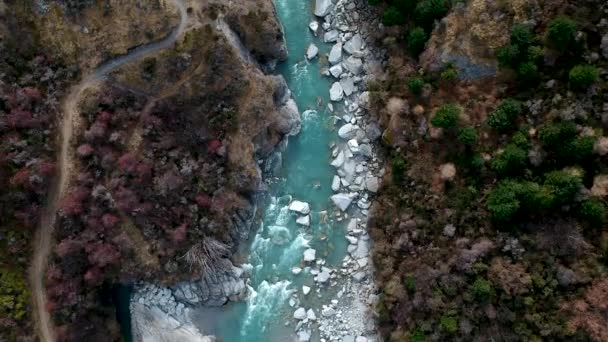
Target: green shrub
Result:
[482, 289]
[410, 284]
[561, 33]
[563, 185]
[416, 40]
[520, 54]
[522, 36]
[503, 203]
[427, 11]
[508, 55]
[374, 2]
[527, 73]
[583, 76]
[467, 136]
[520, 140]
[392, 16]
[449, 324]
[593, 211]
[582, 148]
[511, 161]
[14, 296]
[554, 134]
[503, 118]
[404, 6]
[417, 335]
[398, 168]
[446, 116]
[415, 84]
[534, 197]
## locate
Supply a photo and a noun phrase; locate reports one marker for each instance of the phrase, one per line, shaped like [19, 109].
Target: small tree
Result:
[503, 203]
[511, 161]
[482, 290]
[503, 118]
[583, 76]
[554, 134]
[564, 185]
[467, 136]
[446, 116]
[427, 11]
[561, 33]
[392, 17]
[448, 323]
[593, 211]
[416, 40]
[415, 85]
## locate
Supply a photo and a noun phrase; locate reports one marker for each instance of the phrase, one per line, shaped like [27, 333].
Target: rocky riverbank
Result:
[347, 292]
[352, 60]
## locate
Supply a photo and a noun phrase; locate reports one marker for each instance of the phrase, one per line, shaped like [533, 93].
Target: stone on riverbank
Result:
[354, 44]
[300, 314]
[336, 92]
[312, 51]
[348, 131]
[323, 7]
[299, 207]
[331, 36]
[303, 220]
[336, 70]
[354, 65]
[310, 255]
[335, 54]
[343, 201]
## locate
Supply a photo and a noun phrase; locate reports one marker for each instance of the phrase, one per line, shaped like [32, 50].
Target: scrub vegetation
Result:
[493, 222]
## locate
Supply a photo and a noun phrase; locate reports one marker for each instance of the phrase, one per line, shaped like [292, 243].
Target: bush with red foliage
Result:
[19, 118]
[93, 276]
[109, 221]
[47, 169]
[179, 234]
[128, 162]
[126, 200]
[72, 204]
[98, 130]
[102, 254]
[20, 178]
[67, 247]
[214, 146]
[203, 201]
[85, 150]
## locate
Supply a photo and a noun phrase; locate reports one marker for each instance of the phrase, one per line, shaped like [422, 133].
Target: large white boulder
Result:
[372, 183]
[354, 65]
[331, 36]
[354, 44]
[348, 85]
[310, 255]
[336, 93]
[335, 54]
[303, 220]
[322, 7]
[348, 131]
[312, 51]
[339, 160]
[343, 201]
[336, 70]
[300, 314]
[335, 184]
[314, 27]
[299, 207]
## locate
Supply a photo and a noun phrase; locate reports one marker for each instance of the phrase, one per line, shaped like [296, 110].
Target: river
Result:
[306, 176]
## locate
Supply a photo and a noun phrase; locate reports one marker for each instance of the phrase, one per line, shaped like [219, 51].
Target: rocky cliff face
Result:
[167, 153]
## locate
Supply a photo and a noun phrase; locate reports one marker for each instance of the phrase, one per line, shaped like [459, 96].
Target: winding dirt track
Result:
[68, 125]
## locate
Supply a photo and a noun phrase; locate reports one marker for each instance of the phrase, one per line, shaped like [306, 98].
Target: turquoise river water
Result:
[306, 176]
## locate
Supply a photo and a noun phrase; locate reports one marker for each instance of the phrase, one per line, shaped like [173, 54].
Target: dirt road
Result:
[69, 125]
